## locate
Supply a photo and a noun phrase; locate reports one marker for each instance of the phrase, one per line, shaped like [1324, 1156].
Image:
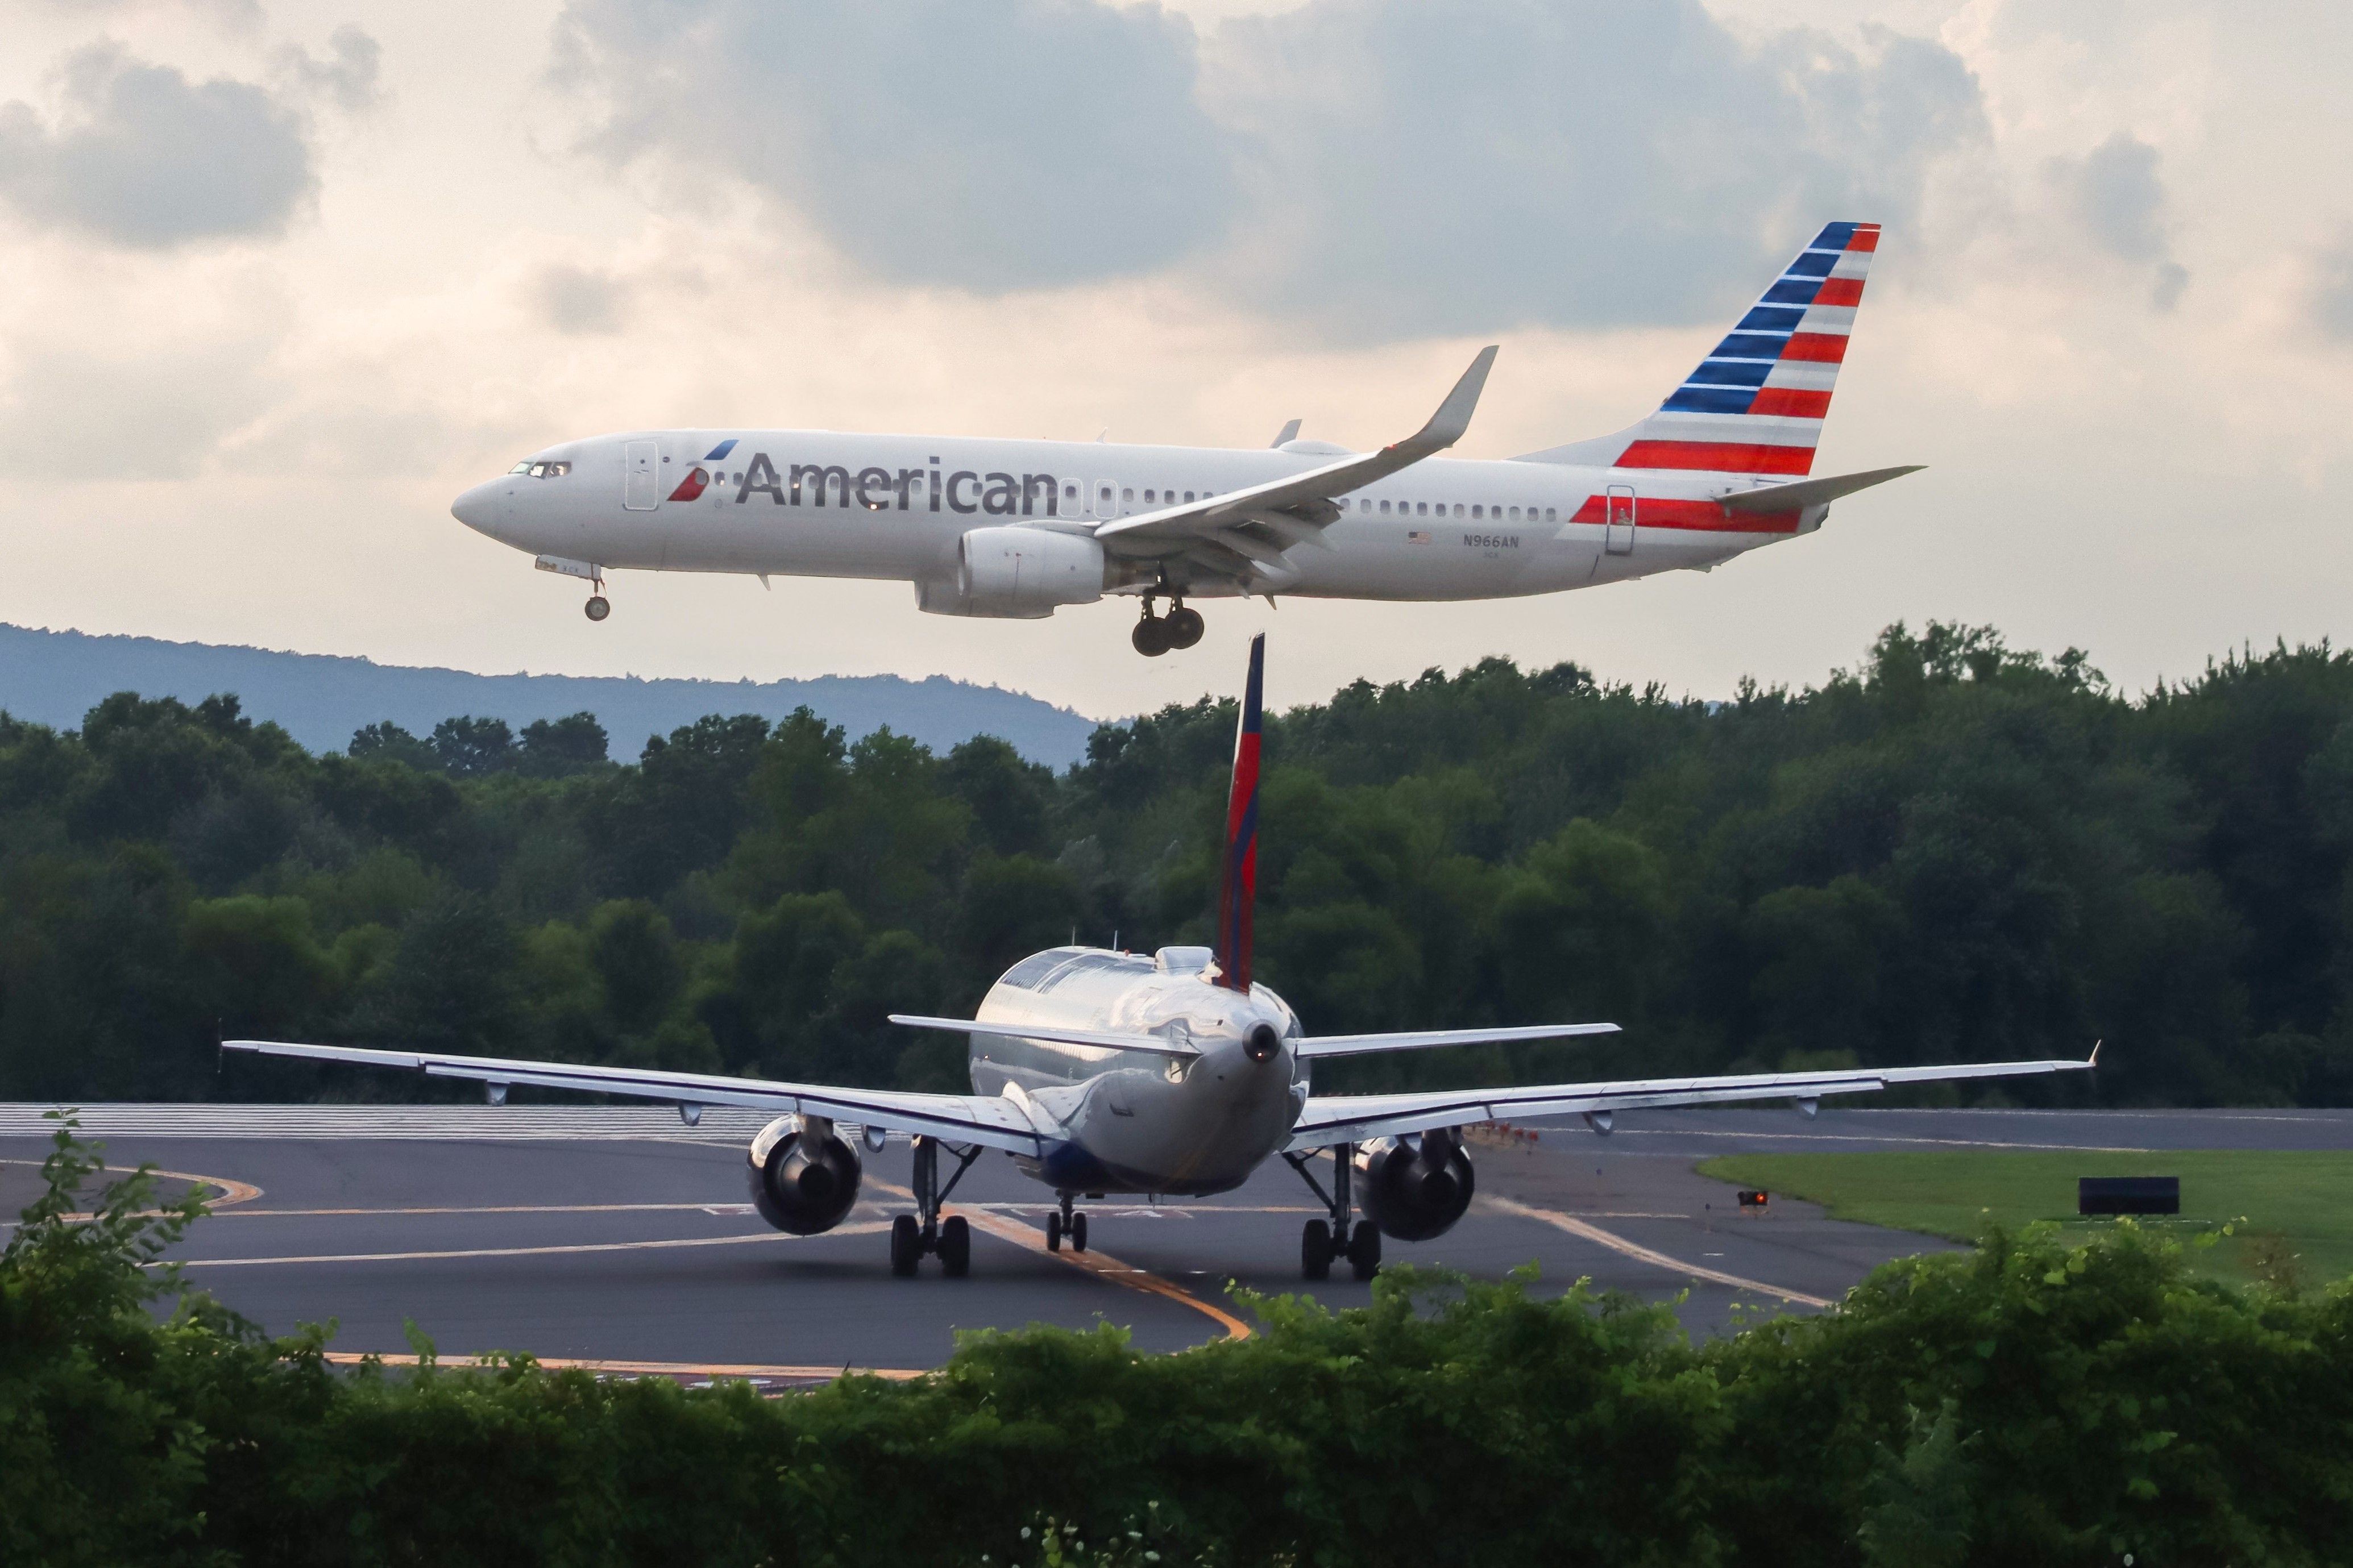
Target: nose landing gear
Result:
[598, 606]
[1064, 1223]
[1156, 635]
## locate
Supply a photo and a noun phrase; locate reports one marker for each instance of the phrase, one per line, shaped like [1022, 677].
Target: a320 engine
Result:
[1019, 574]
[1415, 1188]
[804, 1176]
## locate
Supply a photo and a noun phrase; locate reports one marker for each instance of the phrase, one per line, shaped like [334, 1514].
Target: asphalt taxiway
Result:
[617, 1237]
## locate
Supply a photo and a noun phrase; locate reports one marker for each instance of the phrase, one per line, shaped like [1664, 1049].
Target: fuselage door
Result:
[1618, 521]
[641, 476]
[1106, 499]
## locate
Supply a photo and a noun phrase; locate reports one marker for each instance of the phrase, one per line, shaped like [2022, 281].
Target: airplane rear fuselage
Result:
[1135, 1122]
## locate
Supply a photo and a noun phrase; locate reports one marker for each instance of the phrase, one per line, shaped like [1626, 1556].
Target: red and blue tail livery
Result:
[1755, 405]
[1238, 873]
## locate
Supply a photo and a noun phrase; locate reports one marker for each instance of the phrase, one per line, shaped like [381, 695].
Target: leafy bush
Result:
[2029, 1403]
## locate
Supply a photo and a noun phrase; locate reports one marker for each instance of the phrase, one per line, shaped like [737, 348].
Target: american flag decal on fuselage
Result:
[1754, 406]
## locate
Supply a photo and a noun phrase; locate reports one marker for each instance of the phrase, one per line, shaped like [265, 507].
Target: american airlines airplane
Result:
[1017, 529]
[1101, 1071]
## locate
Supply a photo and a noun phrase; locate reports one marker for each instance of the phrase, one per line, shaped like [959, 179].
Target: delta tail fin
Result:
[1238, 866]
[1755, 403]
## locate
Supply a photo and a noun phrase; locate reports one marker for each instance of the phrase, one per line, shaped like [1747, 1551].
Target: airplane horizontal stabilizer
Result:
[1427, 1039]
[1811, 492]
[1109, 1039]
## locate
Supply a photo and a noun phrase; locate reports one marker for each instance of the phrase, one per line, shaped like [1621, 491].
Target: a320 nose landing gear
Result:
[1062, 1222]
[1156, 635]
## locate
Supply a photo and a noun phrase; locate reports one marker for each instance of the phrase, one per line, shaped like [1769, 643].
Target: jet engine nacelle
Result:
[804, 1177]
[1017, 573]
[1415, 1188]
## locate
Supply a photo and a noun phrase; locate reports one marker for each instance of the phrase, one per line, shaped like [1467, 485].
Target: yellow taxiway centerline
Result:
[1095, 1263]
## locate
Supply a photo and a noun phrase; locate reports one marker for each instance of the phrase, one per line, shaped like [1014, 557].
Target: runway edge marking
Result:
[1619, 1244]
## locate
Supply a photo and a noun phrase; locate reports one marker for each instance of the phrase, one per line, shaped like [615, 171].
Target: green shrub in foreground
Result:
[2029, 1403]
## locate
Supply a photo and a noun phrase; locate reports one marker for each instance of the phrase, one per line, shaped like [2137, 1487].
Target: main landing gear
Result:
[1156, 635]
[913, 1235]
[1063, 1223]
[1324, 1240]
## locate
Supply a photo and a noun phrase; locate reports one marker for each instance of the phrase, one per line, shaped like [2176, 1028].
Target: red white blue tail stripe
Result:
[1238, 872]
[1755, 405]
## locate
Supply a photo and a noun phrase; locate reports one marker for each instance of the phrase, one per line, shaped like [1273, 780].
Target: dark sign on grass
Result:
[2129, 1195]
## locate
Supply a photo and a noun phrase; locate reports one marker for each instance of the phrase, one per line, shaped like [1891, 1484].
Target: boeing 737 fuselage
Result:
[1017, 528]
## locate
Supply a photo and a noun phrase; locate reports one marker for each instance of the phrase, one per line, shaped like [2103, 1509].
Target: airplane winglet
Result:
[1453, 416]
[2093, 1060]
[1290, 432]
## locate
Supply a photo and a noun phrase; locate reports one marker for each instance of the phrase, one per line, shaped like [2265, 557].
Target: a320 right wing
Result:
[1351, 1118]
[959, 1117]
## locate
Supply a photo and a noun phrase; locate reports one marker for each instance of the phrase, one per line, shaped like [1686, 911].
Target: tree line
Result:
[2039, 1400]
[1954, 850]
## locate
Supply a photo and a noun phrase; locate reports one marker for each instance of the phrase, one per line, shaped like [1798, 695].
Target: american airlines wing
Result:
[1244, 532]
[1351, 1118]
[960, 1117]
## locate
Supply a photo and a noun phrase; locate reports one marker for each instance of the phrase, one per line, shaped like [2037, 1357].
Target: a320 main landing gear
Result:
[1324, 1240]
[1063, 1223]
[1156, 635]
[913, 1235]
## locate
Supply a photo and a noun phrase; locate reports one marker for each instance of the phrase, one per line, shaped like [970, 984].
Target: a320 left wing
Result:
[1351, 1118]
[960, 1117]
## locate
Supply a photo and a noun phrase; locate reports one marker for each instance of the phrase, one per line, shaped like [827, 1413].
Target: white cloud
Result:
[985, 145]
[138, 155]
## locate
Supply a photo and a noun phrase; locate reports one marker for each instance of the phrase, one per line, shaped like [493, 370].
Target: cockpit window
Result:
[522, 468]
[1032, 969]
[541, 470]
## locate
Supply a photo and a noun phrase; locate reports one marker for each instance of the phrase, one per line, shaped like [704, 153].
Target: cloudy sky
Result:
[283, 277]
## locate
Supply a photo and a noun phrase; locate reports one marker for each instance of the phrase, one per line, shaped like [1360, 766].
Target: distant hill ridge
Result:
[54, 677]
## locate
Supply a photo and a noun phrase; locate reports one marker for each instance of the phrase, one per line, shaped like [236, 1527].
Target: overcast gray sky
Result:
[284, 277]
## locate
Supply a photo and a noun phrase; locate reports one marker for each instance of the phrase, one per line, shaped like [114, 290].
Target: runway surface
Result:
[616, 1236]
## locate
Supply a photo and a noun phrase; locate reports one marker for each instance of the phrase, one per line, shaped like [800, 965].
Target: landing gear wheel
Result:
[955, 1246]
[1151, 637]
[1316, 1251]
[906, 1245]
[1078, 1233]
[1054, 1232]
[1365, 1250]
[1185, 626]
[598, 606]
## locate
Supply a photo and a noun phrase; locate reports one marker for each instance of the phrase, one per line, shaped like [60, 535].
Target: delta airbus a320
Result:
[1110, 1072]
[1017, 528]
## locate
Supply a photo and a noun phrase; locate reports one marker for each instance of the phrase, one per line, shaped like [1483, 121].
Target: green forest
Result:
[1955, 850]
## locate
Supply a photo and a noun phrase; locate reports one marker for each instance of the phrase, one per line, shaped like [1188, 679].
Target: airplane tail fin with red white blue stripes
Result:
[1755, 403]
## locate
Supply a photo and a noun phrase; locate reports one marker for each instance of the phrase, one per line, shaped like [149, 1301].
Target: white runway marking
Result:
[868, 1228]
[1615, 1242]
